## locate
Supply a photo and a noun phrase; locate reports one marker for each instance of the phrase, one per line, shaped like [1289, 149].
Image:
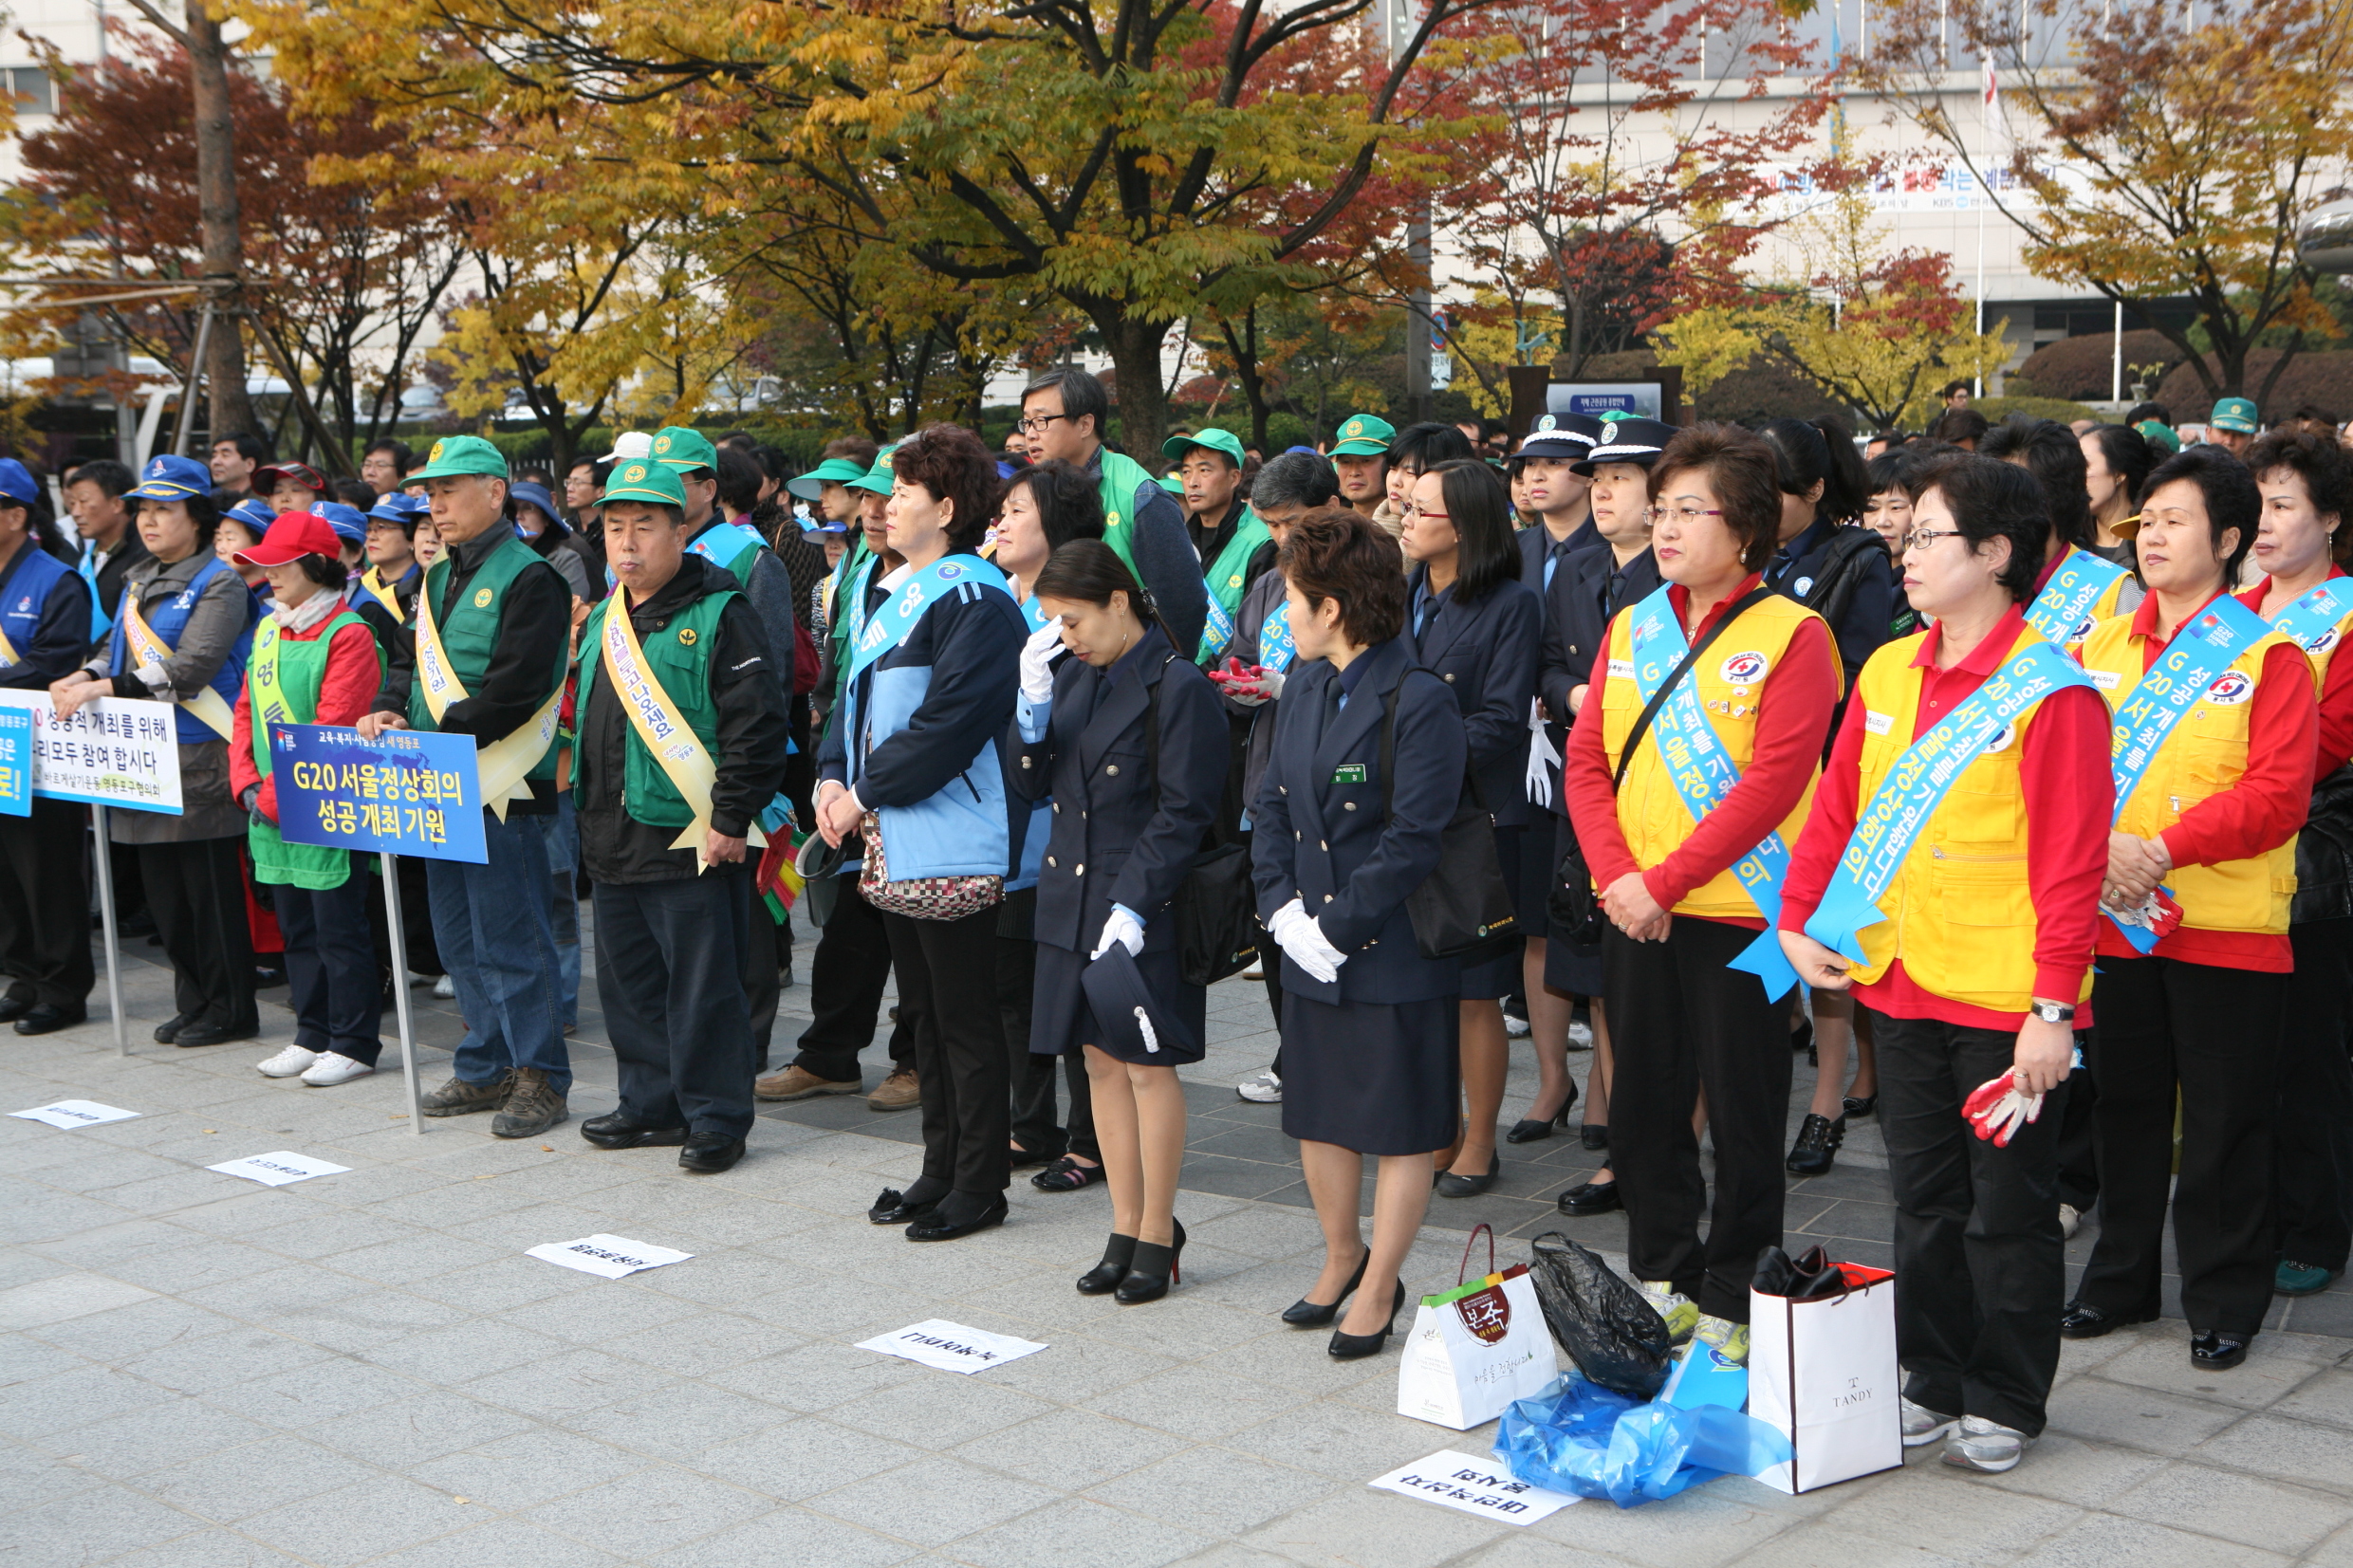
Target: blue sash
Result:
[895, 620]
[2061, 611]
[1275, 647]
[2199, 652]
[100, 622]
[737, 537]
[1912, 790]
[2310, 622]
[1703, 773]
[1031, 613]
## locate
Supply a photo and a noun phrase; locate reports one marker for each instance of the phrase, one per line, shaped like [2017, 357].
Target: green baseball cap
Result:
[1364, 435]
[1174, 485]
[1176, 446]
[2235, 415]
[833, 470]
[878, 478]
[455, 454]
[677, 447]
[2158, 433]
[645, 481]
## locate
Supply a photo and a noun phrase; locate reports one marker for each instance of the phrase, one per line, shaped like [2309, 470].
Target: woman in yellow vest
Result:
[1968, 941]
[1688, 775]
[2206, 828]
[314, 662]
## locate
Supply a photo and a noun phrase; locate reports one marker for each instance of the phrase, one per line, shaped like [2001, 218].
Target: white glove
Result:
[1303, 939]
[1541, 756]
[1122, 928]
[1037, 679]
[1996, 1110]
[1271, 682]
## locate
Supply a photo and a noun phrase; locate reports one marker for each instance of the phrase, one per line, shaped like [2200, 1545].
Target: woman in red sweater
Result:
[314, 662]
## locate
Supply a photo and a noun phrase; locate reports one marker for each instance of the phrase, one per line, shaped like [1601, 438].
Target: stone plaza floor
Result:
[196, 1372]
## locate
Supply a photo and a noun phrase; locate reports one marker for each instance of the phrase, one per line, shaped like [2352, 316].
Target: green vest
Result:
[1122, 478]
[1226, 581]
[679, 657]
[282, 684]
[846, 591]
[469, 629]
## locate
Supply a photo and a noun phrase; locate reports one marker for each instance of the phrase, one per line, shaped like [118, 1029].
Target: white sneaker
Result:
[1580, 1037]
[1988, 1446]
[445, 988]
[1679, 1312]
[294, 1058]
[2070, 1220]
[1515, 1027]
[335, 1068]
[1922, 1426]
[1261, 1089]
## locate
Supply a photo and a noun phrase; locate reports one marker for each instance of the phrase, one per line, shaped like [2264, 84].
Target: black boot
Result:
[1155, 1269]
[1817, 1146]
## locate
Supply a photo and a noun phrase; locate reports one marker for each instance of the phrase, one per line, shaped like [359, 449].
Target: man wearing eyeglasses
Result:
[1062, 416]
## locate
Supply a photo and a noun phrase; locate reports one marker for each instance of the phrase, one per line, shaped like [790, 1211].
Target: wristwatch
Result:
[2052, 1012]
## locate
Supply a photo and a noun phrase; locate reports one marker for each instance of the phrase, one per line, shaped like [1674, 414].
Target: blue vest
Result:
[38, 574]
[169, 619]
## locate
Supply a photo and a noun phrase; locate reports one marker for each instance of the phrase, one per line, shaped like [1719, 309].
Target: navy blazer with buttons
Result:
[1575, 630]
[1118, 839]
[1536, 544]
[1487, 653]
[1318, 835]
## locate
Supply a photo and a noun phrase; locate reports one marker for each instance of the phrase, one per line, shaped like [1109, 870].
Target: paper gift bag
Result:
[1474, 1349]
[1823, 1372]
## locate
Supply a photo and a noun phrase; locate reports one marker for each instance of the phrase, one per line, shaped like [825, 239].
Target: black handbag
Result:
[1215, 907]
[1462, 910]
[1573, 906]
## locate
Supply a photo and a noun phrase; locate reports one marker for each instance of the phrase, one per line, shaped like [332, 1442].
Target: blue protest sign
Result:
[15, 762]
[404, 793]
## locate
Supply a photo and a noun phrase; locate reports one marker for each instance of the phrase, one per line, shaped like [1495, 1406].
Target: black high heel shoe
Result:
[1154, 1271]
[1306, 1314]
[1355, 1347]
[1802, 1038]
[1594, 1135]
[1858, 1109]
[1451, 1186]
[1526, 1131]
[1105, 1277]
[1817, 1146]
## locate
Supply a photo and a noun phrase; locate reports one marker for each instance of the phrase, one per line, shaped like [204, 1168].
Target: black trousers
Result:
[846, 976]
[2079, 1159]
[2211, 1033]
[1981, 1272]
[45, 905]
[669, 969]
[418, 952]
[764, 984]
[337, 990]
[1679, 1020]
[196, 892]
[944, 967]
[2312, 1190]
[1034, 1126]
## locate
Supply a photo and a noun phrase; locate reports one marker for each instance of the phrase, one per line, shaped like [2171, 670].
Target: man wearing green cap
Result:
[1233, 544]
[682, 740]
[2232, 425]
[493, 639]
[1362, 460]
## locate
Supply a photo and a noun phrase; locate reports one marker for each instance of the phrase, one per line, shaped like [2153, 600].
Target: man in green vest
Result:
[493, 634]
[682, 739]
[1233, 544]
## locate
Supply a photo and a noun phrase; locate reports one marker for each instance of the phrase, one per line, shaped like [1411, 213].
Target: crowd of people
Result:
[2000, 771]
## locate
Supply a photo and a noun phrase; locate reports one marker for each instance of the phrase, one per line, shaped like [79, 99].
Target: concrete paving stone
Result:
[233, 1483]
[317, 1236]
[429, 1255]
[207, 1547]
[791, 1461]
[62, 1296]
[789, 1537]
[496, 1543]
[931, 1501]
[2070, 1470]
[463, 1353]
[31, 1478]
[408, 1432]
[702, 1343]
[207, 1260]
[362, 1322]
[321, 1392]
[1349, 1444]
[530, 1467]
[2106, 1541]
[1358, 1526]
[2094, 1409]
[169, 1432]
[1087, 1532]
[609, 1308]
[675, 1419]
[502, 1284]
[564, 1384]
[1198, 1400]
[1216, 1489]
[1976, 1523]
[148, 1323]
[241, 1355]
[1179, 1327]
[717, 1279]
[1261, 1233]
[20, 1268]
[182, 1189]
[43, 1406]
[30, 1359]
[100, 1169]
[2336, 1552]
[2163, 1363]
[1068, 1449]
[238, 1215]
[941, 1410]
[2236, 1507]
[2285, 1451]
[652, 1511]
[288, 1287]
[107, 1239]
[1523, 1549]
[1074, 1370]
[2327, 1398]
[353, 1523]
[92, 1526]
[819, 1375]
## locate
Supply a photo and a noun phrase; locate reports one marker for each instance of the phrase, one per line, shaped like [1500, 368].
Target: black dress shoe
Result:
[707, 1153]
[42, 1018]
[1306, 1314]
[617, 1130]
[169, 1029]
[1154, 1271]
[1532, 1131]
[2089, 1323]
[1355, 1347]
[213, 1034]
[14, 1007]
[1593, 1197]
[1105, 1275]
[958, 1215]
[1817, 1145]
[1858, 1109]
[2217, 1352]
[1594, 1137]
[1451, 1186]
[896, 1207]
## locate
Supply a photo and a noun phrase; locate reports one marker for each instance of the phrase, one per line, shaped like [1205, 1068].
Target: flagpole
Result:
[1985, 125]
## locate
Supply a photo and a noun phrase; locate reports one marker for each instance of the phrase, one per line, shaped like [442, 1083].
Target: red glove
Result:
[1998, 1110]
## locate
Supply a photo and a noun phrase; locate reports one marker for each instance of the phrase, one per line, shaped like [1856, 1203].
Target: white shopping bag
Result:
[1824, 1374]
[1475, 1347]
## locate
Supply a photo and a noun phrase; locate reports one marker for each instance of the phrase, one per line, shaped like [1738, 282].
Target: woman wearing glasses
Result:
[1970, 953]
[1675, 853]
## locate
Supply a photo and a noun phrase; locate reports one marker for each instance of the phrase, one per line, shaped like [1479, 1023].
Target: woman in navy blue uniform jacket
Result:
[1130, 740]
[1369, 1055]
[1478, 629]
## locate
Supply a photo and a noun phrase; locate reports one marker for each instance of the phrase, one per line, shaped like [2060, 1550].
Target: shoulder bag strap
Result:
[1666, 688]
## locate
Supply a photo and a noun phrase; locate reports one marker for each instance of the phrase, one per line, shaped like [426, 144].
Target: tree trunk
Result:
[1135, 346]
[231, 408]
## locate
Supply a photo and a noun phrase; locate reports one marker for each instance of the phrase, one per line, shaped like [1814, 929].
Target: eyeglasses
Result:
[1683, 514]
[1919, 538]
[1034, 424]
[1425, 513]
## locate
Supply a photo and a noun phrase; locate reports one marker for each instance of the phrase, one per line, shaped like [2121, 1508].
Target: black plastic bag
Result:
[1613, 1335]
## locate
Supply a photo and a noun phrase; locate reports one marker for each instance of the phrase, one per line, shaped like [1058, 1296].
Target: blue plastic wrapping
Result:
[1579, 1437]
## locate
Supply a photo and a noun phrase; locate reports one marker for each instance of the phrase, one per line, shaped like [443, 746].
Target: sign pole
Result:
[103, 852]
[398, 946]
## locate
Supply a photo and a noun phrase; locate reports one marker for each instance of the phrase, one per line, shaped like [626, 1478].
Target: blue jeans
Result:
[562, 861]
[491, 925]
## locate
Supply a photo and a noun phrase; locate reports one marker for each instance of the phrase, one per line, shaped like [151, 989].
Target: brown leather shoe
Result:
[896, 1092]
[800, 1083]
[458, 1098]
[532, 1106]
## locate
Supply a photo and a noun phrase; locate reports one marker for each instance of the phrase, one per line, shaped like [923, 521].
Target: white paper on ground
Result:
[952, 1347]
[278, 1169]
[1473, 1485]
[75, 1112]
[607, 1257]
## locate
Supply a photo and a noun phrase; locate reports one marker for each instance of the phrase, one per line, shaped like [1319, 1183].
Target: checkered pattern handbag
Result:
[921, 897]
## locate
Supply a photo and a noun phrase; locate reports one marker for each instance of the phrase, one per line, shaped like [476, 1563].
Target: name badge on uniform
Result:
[1349, 773]
[1877, 724]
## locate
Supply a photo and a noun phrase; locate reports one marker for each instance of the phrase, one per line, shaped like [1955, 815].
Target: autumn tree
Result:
[2149, 160]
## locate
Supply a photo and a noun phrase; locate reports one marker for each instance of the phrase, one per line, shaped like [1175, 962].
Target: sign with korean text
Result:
[406, 792]
[117, 751]
[15, 762]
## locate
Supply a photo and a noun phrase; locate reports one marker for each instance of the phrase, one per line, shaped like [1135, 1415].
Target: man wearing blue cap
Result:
[45, 893]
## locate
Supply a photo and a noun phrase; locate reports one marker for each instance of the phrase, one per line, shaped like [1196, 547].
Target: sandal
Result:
[1066, 1176]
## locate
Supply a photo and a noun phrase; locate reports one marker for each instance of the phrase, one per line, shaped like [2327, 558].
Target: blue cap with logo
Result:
[173, 479]
[349, 523]
[17, 483]
[254, 513]
[402, 508]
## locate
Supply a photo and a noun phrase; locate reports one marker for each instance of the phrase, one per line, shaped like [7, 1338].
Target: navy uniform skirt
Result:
[1061, 1022]
[1570, 967]
[1380, 1078]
